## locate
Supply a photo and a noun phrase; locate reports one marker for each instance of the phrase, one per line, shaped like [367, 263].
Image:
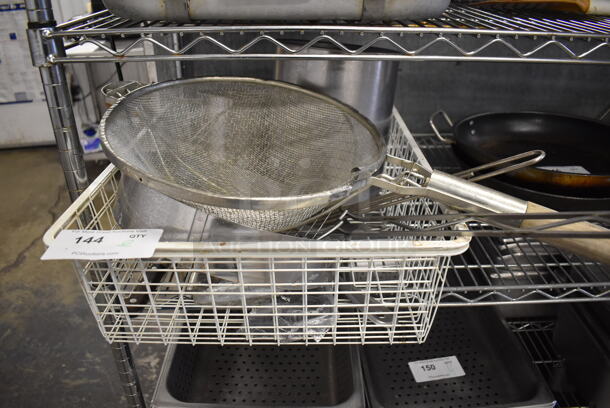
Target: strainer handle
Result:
[464, 195]
[411, 180]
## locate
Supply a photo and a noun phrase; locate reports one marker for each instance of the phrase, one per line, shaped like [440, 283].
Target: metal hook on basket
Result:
[435, 129]
[117, 90]
[470, 174]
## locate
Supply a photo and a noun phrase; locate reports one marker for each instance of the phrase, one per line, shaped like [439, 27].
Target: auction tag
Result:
[566, 169]
[96, 245]
[436, 369]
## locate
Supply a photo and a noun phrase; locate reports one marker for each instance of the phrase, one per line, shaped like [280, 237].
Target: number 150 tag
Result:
[436, 369]
[97, 245]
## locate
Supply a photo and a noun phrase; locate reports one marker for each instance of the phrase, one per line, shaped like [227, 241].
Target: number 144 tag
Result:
[436, 369]
[97, 245]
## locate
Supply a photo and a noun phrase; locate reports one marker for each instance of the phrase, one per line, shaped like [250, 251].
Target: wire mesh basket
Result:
[328, 291]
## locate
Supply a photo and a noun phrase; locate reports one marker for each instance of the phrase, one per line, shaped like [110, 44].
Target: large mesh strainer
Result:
[264, 154]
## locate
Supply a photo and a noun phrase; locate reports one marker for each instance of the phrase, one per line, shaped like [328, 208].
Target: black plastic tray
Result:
[498, 372]
[260, 376]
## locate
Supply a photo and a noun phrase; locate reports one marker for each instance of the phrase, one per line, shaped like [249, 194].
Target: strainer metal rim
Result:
[192, 195]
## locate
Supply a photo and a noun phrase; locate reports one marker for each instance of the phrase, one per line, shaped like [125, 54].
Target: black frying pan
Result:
[557, 202]
[577, 161]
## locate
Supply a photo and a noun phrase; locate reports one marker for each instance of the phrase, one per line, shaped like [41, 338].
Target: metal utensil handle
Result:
[470, 174]
[595, 249]
[467, 196]
[435, 129]
[455, 192]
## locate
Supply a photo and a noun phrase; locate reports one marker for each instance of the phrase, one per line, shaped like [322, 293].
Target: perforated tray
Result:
[260, 376]
[498, 372]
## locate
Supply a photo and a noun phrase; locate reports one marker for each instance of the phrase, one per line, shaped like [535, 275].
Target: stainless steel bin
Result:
[260, 376]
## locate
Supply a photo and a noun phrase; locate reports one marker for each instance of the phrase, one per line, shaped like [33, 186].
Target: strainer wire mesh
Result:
[260, 153]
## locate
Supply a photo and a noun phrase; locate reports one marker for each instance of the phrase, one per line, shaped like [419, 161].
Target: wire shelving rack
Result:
[462, 33]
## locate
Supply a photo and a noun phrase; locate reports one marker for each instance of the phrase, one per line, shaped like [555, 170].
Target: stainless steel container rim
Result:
[180, 192]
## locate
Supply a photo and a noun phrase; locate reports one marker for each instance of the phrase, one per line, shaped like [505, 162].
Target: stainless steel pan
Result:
[189, 10]
[367, 86]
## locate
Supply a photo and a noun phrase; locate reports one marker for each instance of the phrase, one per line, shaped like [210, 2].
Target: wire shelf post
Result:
[59, 102]
[57, 92]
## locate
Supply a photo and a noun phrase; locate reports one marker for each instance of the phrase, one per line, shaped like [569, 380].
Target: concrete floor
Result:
[51, 353]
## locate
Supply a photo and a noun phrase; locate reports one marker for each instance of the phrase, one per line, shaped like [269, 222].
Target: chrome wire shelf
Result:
[536, 336]
[514, 270]
[461, 33]
[504, 270]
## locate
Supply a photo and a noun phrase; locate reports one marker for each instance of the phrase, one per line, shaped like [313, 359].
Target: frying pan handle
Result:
[596, 249]
[511, 163]
[435, 129]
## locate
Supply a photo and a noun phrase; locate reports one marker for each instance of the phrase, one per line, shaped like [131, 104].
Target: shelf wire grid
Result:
[461, 33]
[536, 336]
[508, 270]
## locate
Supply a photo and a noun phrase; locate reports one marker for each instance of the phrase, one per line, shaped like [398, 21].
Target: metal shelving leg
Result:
[64, 127]
[59, 101]
[128, 374]
[57, 92]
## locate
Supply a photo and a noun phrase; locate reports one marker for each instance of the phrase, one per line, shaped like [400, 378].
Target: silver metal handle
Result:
[435, 129]
[453, 191]
[470, 174]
